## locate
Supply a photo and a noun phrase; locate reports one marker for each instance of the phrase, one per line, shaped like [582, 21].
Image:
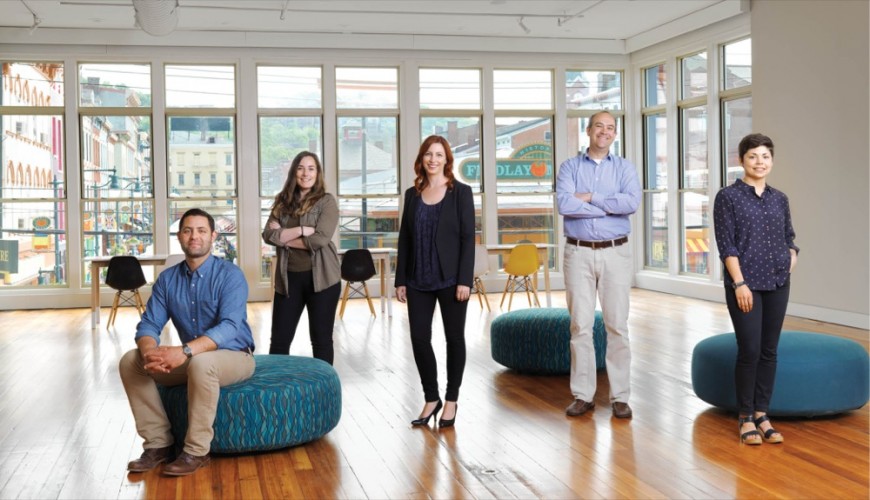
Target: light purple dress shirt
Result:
[616, 195]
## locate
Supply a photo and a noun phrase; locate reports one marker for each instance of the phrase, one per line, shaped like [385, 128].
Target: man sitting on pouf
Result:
[206, 299]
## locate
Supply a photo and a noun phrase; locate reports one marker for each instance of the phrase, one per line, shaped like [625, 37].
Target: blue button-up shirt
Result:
[210, 301]
[616, 194]
[758, 231]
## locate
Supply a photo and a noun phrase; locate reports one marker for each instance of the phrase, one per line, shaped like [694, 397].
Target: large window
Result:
[290, 109]
[586, 93]
[694, 168]
[712, 115]
[368, 156]
[450, 106]
[655, 160]
[525, 177]
[202, 126]
[117, 188]
[736, 102]
[33, 208]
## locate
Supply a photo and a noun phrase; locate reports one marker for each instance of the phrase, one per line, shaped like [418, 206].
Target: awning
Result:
[697, 245]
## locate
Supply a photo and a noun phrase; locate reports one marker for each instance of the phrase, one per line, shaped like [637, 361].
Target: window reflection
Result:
[198, 147]
[33, 208]
[595, 90]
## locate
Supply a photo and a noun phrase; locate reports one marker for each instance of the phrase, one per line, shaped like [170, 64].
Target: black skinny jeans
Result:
[286, 311]
[421, 309]
[758, 334]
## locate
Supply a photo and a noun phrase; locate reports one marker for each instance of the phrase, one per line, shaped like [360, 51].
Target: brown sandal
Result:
[771, 435]
[752, 437]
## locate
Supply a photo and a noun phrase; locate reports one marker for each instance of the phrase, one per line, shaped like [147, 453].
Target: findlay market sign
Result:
[8, 256]
[529, 163]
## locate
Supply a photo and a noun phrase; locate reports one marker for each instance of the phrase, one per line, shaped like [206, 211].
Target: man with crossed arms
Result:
[597, 192]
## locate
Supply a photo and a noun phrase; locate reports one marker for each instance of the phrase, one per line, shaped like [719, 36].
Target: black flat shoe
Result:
[449, 423]
[425, 420]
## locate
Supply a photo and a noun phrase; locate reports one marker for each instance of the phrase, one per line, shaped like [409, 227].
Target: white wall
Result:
[810, 95]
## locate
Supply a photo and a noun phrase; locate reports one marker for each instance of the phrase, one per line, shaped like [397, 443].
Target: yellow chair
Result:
[522, 264]
[481, 268]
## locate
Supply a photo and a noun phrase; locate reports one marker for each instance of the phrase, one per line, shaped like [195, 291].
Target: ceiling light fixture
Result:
[36, 19]
[523, 25]
[564, 19]
[156, 17]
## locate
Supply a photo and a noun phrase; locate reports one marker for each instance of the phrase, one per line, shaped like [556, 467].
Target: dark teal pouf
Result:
[538, 340]
[816, 374]
[290, 400]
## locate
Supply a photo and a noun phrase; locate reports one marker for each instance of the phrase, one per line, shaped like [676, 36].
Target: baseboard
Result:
[816, 313]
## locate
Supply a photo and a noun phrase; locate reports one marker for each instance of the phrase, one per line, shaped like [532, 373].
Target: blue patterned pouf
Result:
[288, 401]
[538, 340]
[816, 374]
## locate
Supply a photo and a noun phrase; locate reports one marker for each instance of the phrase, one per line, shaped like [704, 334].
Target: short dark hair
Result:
[753, 141]
[194, 212]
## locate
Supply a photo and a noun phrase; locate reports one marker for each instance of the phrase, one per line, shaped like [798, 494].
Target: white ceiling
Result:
[594, 26]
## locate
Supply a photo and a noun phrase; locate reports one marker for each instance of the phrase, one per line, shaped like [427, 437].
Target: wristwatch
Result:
[737, 284]
[186, 350]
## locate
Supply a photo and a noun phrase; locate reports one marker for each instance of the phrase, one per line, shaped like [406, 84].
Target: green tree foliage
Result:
[283, 138]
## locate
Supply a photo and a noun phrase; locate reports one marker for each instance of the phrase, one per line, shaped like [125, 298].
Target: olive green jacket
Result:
[325, 269]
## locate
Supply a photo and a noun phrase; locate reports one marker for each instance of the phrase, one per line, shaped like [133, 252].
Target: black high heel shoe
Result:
[425, 420]
[449, 423]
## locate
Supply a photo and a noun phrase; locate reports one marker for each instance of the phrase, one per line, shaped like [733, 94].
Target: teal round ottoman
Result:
[538, 340]
[816, 374]
[288, 401]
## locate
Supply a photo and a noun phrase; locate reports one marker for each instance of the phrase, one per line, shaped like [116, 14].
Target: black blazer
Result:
[454, 238]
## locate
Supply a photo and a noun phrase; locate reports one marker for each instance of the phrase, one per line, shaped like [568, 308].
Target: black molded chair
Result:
[125, 275]
[357, 266]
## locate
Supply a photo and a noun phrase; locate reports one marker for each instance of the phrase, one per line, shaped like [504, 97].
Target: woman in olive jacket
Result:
[301, 225]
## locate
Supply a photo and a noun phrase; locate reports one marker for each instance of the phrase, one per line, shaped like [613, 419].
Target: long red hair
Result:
[422, 180]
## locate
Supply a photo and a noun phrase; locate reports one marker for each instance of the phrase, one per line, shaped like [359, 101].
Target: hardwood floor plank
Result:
[66, 430]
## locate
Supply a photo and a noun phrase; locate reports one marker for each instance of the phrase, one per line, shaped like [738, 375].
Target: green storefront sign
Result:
[9, 256]
[529, 163]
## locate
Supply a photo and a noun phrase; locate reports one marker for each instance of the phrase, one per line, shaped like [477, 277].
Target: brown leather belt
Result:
[595, 245]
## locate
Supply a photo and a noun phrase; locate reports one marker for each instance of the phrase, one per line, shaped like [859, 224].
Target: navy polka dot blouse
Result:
[758, 231]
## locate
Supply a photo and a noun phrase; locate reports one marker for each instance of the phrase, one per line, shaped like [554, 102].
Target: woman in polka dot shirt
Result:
[755, 238]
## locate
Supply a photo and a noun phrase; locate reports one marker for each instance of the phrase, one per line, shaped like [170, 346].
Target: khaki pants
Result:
[607, 273]
[204, 375]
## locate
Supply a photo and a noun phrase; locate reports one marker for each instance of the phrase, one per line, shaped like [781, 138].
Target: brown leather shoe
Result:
[185, 464]
[579, 407]
[151, 457]
[621, 410]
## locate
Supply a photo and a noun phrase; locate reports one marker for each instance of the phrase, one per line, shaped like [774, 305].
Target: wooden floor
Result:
[66, 430]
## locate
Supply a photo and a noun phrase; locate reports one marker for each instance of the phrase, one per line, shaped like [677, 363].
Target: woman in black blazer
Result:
[436, 264]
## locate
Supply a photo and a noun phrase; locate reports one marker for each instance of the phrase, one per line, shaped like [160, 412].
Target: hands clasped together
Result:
[163, 359]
